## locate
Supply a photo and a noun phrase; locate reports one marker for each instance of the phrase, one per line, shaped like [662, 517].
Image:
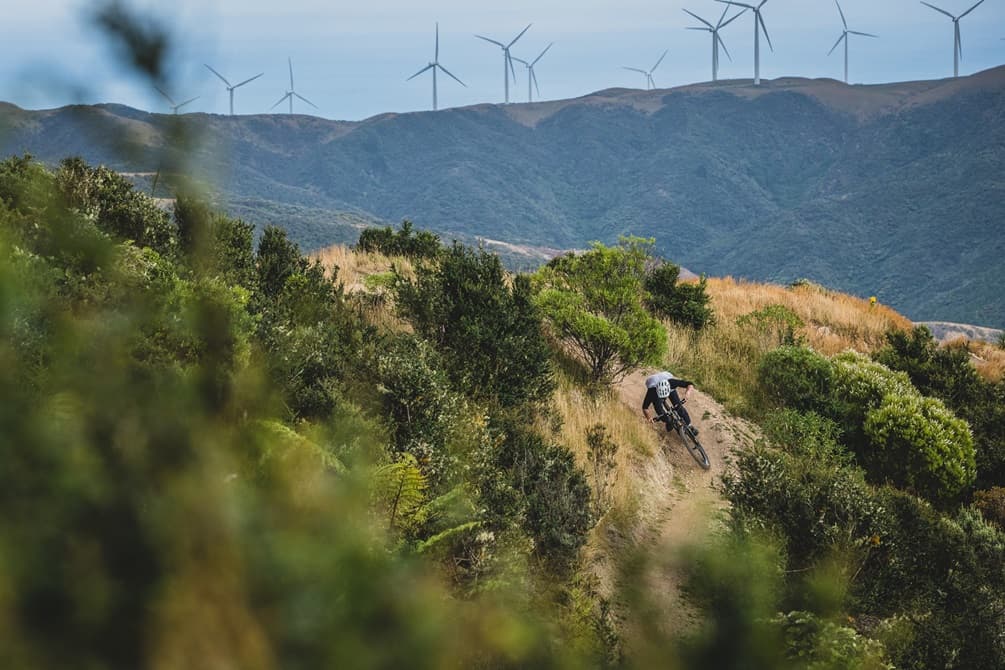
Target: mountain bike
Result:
[675, 424]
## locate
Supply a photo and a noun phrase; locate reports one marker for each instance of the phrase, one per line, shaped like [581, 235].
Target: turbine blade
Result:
[707, 30]
[941, 11]
[445, 70]
[718, 23]
[493, 41]
[419, 72]
[703, 20]
[737, 4]
[307, 101]
[765, 29]
[248, 81]
[971, 9]
[659, 61]
[520, 60]
[855, 32]
[842, 14]
[542, 54]
[519, 36]
[159, 90]
[509, 60]
[734, 18]
[291, 73]
[218, 75]
[843, 37]
[635, 69]
[187, 101]
[959, 40]
[281, 101]
[533, 78]
[723, 45]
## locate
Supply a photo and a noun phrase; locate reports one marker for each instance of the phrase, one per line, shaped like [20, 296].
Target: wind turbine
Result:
[957, 42]
[716, 38]
[844, 36]
[292, 93]
[531, 77]
[230, 89]
[758, 27]
[650, 82]
[507, 59]
[436, 65]
[175, 106]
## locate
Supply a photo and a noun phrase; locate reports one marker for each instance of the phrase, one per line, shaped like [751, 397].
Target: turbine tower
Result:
[507, 59]
[290, 94]
[844, 36]
[435, 65]
[758, 28]
[531, 77]
[650, 82]
[230, 89]
[716, 38]
[175, 106]
[957, 43]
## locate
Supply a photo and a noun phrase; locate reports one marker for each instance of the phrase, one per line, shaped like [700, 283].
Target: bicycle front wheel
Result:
[694, 448]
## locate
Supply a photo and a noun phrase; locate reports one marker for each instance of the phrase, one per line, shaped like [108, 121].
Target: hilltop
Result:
[891, 190]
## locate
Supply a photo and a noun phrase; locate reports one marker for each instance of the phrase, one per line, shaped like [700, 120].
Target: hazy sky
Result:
[352, 59]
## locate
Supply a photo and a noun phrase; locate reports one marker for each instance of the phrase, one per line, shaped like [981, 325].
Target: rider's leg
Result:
[679, 406]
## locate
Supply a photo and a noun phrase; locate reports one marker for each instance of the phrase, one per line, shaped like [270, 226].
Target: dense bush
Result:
[774, 324]
[918, 444]
[594, 302]
[860, 385]
[797, 377]
[685, 303]
[489, 332]
[406, 242]
[948, 374]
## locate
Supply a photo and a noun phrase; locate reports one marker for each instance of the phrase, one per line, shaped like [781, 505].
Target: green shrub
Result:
[594, 303]
[948, 374]
[860, 385]
[686, 304]
[776, 324]
[416, 245]
[806, 434]
[817, 644]
[798, 378]
[918, 444]
[489, 333]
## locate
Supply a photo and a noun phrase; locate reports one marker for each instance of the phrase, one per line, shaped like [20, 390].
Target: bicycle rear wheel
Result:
[694, 448]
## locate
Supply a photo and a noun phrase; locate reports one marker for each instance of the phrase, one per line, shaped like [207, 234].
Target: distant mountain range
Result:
[893, 190]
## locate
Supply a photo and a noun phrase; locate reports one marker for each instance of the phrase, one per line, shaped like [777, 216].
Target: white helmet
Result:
[663, 389]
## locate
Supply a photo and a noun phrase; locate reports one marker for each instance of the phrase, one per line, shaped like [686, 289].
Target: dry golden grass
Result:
[723, 358]
[834, 321]
[355, 266]
[987, 358]
[639, 457]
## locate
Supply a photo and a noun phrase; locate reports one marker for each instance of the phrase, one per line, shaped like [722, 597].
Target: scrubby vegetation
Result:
[218, 450]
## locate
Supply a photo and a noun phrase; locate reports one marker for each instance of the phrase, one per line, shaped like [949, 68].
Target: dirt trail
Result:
[691, 504]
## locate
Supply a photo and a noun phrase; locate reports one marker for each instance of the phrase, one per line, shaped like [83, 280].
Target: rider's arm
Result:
[650, 399]
[688, 386]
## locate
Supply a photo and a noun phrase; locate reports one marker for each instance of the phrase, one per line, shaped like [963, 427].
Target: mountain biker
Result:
[661, 386]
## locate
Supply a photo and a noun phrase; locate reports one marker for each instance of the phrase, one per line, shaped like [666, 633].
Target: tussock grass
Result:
[639, 452]
[355, 266]
[357, 271]
[987, 358]
[723, 358]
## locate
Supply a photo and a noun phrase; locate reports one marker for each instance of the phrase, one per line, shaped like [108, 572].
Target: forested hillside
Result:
[221, 452]
[890, 190]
